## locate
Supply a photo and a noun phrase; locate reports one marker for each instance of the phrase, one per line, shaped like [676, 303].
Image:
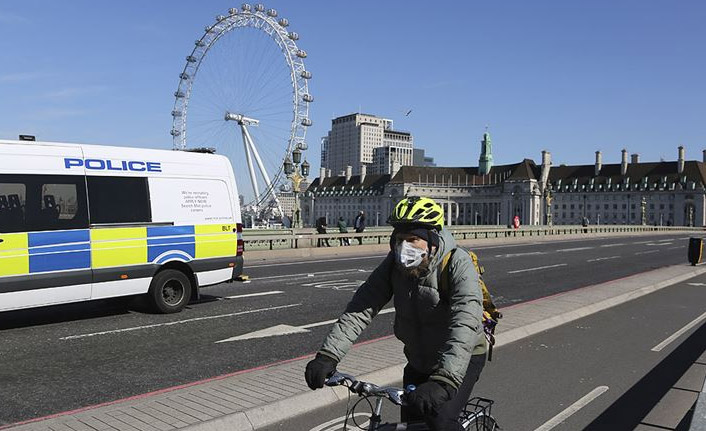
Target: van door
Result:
[120, 212]
[45, 248]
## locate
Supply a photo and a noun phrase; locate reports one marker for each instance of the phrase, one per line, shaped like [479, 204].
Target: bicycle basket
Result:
[476, 416]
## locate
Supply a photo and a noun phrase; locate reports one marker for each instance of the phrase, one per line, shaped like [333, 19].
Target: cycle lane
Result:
[627, 367]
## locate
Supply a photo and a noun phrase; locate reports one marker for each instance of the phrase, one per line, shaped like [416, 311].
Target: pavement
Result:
[266, 395]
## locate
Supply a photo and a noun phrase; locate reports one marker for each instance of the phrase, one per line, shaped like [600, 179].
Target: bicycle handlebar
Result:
[393, 394]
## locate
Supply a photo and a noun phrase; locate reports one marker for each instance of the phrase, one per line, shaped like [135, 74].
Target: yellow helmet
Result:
[417, 211]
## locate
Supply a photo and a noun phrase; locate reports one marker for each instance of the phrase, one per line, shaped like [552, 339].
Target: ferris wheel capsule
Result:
[184, 75]
[306, 122]
[301, 53]
[246, 7]
[293, 36]
[233, 11]
[284, 22]
[272, 13]
[220, 18]
[305, 74]
[191, 59]
[259, 7]
[308, 98]
[200, 43]
[176, 113]
[208, 28]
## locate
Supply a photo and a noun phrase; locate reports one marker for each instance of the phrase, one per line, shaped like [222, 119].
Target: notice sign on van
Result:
[190, 200]
[195, 201]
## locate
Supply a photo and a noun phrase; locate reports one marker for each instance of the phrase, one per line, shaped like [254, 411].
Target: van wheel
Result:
[170, 291]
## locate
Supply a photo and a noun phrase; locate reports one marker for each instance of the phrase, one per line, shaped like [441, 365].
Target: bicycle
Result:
[476, 416]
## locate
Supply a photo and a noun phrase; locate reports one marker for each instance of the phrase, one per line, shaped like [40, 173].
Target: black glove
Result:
[318, 370]
[429, 396]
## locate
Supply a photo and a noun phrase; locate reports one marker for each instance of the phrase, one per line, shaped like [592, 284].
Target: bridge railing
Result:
[308, 238]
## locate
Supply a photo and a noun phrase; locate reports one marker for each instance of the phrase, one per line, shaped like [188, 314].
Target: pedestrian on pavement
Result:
[321, 229]
[343, 228]
[442, 332]
[359, 225]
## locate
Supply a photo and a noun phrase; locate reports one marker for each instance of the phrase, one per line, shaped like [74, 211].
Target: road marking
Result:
[344, 285]
[178, 322]
[679, 333]
[613, 245]
[578, 405]
[646, 252]
[575, 249]
[696, 284]
[537, 268]
[306, 274]
[641, 242]
[520, 254]
[277, 330]
[677, 247]
[248, 295]
[654, 244]
[603, 258]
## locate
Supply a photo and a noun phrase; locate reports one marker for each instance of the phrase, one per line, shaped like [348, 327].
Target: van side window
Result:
[12, 206]
[31, 203]
[116, 200]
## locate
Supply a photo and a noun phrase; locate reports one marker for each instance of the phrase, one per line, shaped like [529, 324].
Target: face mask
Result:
[408, 255]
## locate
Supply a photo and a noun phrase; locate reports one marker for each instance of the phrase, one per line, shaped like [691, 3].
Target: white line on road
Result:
[679, 333]
[598, 259]
[641, 242]
[537, 268]
[178, 322]
[677, 247]
[248, 295]
[313, 325]
[306, 274]
[278, 330]
[520, 254]
[578, 405]
[575, 249]
[646, 252]
[613, 245]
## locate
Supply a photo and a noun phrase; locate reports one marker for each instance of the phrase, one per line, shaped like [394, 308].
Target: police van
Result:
[84, 222]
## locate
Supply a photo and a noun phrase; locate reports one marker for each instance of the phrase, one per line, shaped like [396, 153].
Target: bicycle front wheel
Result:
[481, 423]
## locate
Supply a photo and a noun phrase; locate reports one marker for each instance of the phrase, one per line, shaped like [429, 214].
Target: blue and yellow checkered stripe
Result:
[37, 252]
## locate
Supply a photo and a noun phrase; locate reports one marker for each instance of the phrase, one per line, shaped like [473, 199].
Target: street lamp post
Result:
[297, 172]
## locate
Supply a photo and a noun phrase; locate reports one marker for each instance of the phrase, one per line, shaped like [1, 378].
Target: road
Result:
[66, 357]
[604, 365]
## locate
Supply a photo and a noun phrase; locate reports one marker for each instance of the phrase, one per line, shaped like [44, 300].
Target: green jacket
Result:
[440, 332]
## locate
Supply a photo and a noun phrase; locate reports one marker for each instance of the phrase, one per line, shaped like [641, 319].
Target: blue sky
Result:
[567, 76]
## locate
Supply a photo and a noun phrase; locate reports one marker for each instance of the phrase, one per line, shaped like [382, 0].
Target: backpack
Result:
[491, 314]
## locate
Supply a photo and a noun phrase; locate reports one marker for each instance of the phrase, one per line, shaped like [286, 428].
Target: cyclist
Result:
[442, 332]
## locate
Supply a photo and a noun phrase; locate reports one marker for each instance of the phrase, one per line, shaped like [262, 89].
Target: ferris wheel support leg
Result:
[251, 168]
[261, 165]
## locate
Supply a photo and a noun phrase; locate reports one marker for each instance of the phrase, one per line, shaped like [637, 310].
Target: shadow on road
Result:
[630, 409]
[70, 312]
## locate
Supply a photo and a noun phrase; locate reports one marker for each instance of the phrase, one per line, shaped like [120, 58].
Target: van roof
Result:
[123, 151]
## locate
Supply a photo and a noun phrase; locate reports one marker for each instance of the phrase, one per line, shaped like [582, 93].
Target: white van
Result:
[82, 222]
